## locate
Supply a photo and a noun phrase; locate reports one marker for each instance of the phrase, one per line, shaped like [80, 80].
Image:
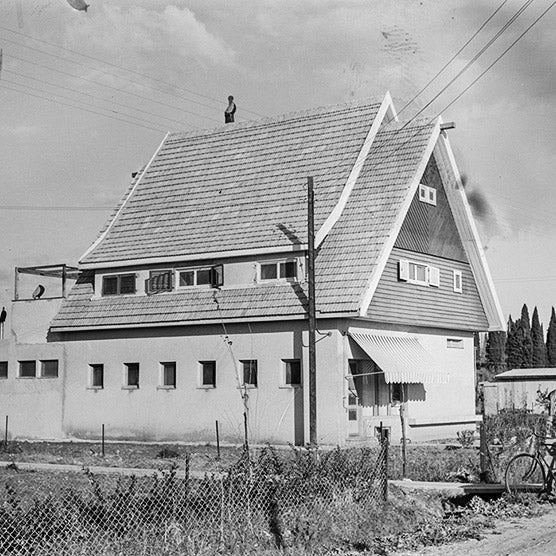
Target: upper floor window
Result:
[96, 375]
[168, 374]
[207, 378]
[286, 270]
[118, 284]
[292, 372]
[458, 281]
[131, 377]
[208, 276]
[3, 369]
[159, 281]
[418, 273]
[427, 194]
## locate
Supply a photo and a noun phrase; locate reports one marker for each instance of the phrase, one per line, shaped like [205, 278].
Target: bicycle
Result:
[532, 472]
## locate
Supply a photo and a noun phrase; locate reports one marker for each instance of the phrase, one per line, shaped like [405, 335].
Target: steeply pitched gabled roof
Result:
[240, 187]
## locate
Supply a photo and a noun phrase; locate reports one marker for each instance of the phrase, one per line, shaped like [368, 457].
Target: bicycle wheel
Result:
[524, 473]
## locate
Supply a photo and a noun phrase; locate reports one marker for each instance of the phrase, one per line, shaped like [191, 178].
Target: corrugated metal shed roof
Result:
[527, 374]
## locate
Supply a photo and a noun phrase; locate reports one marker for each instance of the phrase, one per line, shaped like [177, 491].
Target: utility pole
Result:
[312, 313]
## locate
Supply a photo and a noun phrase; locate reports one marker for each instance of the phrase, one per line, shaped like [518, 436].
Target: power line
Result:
[93, 96]
[431, 81]
[110, 87]
[55, 208]
[3, 81]
[200, 95]
[497, 35]
[501, 55]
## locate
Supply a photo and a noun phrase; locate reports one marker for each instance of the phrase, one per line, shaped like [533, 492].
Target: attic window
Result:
[284, 270]
[119, 284]
[159, 281]
[458, 281]
[418, 273]
[427, 194]
[209, 276]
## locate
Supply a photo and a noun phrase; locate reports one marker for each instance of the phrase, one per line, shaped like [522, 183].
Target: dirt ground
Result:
[512, 537]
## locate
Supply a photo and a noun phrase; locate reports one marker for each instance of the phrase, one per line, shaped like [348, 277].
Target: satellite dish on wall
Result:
[39, 290]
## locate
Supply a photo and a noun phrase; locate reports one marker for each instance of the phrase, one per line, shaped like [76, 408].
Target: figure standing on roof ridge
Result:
[230, 111]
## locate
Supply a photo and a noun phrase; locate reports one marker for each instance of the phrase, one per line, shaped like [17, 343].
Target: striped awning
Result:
[401, 358]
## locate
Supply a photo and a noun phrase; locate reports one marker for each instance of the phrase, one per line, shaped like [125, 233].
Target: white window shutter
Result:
[403, 270]
[434, 276]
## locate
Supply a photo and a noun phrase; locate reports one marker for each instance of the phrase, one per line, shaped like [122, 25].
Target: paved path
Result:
[512, 537]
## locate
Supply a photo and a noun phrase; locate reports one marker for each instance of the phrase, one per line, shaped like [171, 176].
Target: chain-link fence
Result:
[297, 498]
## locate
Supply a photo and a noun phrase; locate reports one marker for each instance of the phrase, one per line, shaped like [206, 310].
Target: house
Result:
[191, 306]
[531, 389]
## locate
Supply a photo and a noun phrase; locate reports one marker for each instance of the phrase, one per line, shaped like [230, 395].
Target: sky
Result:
[87, 97]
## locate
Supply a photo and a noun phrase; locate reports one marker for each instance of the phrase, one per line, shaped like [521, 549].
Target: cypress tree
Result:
[538, 355]
[526, 341]
[514, 352]
[551, 340]
[495, 351]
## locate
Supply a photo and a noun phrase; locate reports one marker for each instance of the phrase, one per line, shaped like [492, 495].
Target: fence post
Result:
[6, 434]
[102, 441]
[385, 467]
[217, 442]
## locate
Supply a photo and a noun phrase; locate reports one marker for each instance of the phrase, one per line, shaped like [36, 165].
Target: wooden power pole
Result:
[312, 313]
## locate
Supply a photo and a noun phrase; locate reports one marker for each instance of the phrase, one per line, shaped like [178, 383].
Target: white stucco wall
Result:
[189, 412]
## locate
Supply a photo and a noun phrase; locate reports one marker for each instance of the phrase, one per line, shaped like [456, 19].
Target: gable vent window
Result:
[209, 276]
[427, 194]
[284, 270]
[418, 273]
[119, 284]
[159, 281]
[458, 281]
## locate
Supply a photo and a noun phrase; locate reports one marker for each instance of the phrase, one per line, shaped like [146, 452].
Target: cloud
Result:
[125, 31]
[20, 131]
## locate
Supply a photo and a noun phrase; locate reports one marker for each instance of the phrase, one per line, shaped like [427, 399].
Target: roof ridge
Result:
[278, 119]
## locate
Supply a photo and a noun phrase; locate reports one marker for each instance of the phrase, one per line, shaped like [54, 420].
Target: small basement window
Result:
[284, 270]
[292, 372]
[427, 194]
[119, 284]
[207, 371]
[3, 369]
[168, 374]
[96, 375]
[27, 369]
[131, 375]
[250, 372]
[49, 368]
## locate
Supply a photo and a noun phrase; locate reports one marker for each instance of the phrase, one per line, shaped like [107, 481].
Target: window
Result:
[397, 393]
[285, 270]
[208, 374]
[49, 368]
[27, 369]
[458, 281]
[97, 375]
[168, 377]
[249, 372]
[132, 375]
[3, 369]
[427, 194]
[454, 343]
[292, 372]
[209, 276]
[118, 285]
[418, 273]
[159, 281]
